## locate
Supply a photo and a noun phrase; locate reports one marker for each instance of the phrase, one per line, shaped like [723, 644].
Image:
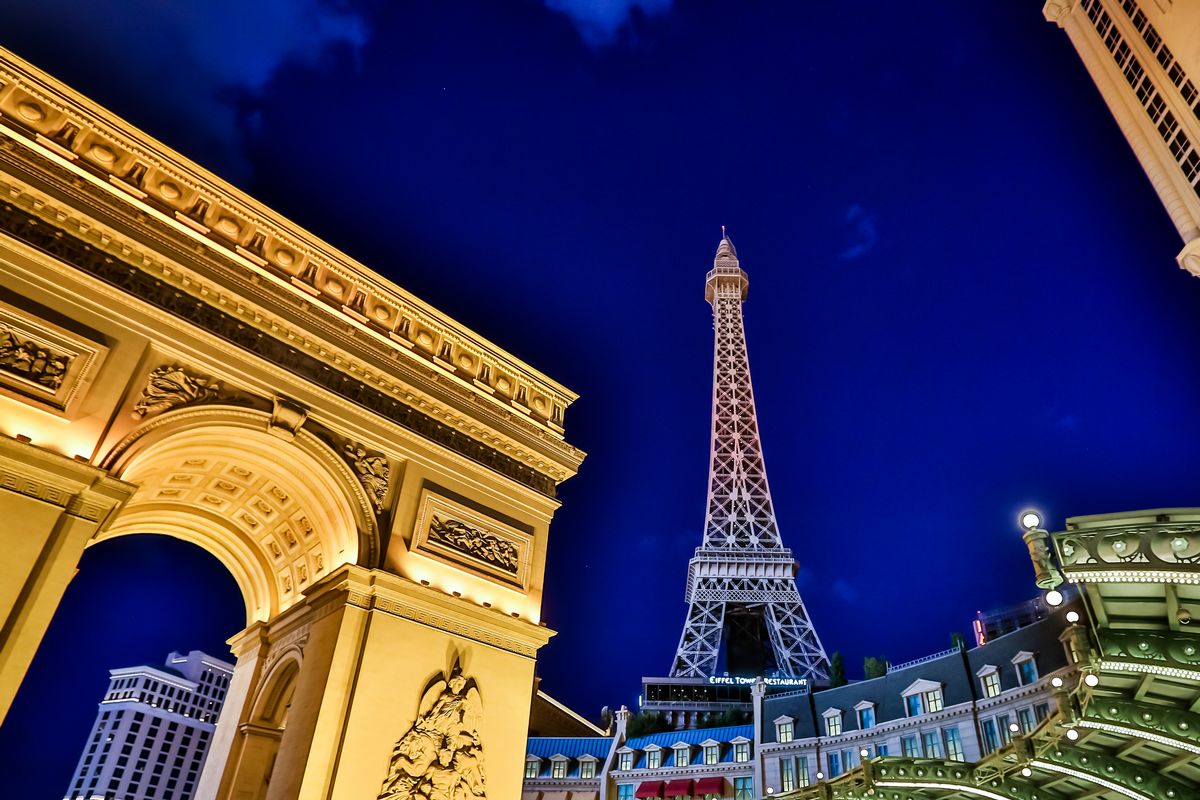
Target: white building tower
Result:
[152, 731]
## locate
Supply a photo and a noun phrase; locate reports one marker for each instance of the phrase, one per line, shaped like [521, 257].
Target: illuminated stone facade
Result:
[175, 358]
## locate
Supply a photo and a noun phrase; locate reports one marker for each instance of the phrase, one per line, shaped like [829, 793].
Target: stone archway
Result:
[378, 478]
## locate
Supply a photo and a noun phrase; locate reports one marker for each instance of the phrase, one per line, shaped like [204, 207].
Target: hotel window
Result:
[558, 769]
[1002, 724]
[932, 700]
[933, 744]
[912, 705]
[833, 725]
[991, 683]
[785, 731]
[1041, 711]
[804, 771]
[625, 761]
[653, 759]
[954, 749]
[681, 756]
[866, 718]
[990, 737]
[625, 791]
[909, 748]
[587, 769]
[741, 751]
[743, 789]
[712, 754]
[531, 769]
[881, 749]
[835, 764]
[1026, 669]
[1026, 717]
[787, 774]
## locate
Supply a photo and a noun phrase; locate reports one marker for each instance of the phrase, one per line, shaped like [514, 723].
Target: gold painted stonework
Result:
[470, 540]
[32, 361]
[373, 472]
[485, 546]
[167, 387]
[440, 757]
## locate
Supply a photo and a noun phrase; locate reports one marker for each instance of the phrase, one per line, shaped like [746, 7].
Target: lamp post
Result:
[1037, 539]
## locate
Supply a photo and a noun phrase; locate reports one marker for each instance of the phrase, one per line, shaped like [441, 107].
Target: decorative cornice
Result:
[37, 233]
[148, 175]
[80, 489]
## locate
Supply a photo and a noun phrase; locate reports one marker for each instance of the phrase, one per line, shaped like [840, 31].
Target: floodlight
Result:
[1031, 519]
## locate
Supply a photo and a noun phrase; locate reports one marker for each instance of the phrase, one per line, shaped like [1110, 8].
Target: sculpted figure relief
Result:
[32, 361]
[373, 472]
[168, 387]
[485, 546]
[440, 757]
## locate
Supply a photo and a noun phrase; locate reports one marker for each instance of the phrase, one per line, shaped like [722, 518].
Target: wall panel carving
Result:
[44, 363]
[453, 533]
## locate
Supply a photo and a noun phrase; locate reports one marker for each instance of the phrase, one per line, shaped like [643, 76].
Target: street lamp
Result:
[1037, 539]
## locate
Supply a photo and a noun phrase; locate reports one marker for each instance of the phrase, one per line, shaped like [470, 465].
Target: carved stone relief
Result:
[32, 360]
[468, 539]
[170, 386]
[440, 757]
[373, 472]
[43, 362]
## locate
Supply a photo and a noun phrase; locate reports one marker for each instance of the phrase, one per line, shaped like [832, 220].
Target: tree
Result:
[958, 641]
[837, 670]
[874, 667]
[645, 723]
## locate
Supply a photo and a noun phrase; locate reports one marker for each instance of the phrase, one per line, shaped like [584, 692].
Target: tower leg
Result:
[797, 648]
[701, 640]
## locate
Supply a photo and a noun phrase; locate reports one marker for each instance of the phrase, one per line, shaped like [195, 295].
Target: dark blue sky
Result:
[963, 294]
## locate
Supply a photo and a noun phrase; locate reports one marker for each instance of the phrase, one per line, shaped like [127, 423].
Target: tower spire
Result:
[741, 585]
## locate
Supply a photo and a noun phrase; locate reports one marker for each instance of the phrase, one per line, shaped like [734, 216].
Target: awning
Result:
[706, 786]
[649, 789]
[584, 795]
[680, 787]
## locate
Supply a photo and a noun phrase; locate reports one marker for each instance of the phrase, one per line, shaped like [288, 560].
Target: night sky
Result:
[963, 295]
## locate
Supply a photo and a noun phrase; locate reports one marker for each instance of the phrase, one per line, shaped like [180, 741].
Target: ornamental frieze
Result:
[494, 550]
[170, 386]
[373, 472]
[31, 360]
[440, 757]
[43, 362]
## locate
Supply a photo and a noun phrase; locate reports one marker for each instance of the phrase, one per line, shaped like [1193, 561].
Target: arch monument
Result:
[178, 359]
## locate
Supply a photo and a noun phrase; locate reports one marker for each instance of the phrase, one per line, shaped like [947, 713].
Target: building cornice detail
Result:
[80, 489]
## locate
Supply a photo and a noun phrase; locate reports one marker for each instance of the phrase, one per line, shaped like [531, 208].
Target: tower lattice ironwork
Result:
[741, 582]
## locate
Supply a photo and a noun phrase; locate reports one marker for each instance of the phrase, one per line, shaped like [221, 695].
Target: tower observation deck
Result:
[745, 615]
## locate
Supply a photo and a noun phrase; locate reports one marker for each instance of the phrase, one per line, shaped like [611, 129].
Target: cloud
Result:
[863, 233]
[599, 21]
[189, 70]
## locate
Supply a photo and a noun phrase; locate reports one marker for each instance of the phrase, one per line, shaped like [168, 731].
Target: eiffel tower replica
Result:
[745, 617]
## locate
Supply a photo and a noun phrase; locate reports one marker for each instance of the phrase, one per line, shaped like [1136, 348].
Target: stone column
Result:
[51, 506]
[378, 653]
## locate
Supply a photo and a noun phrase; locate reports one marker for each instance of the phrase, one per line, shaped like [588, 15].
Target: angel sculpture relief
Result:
[440, 757]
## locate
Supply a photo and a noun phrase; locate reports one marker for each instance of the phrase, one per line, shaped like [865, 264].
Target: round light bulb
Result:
[1072, 617]
[1072, 734]
[1054, 598]
[1031, 520]
[1014, 727]
[864, 753]
[1091, 679]
[1056, 682]
[820, 775]
[1026, 771]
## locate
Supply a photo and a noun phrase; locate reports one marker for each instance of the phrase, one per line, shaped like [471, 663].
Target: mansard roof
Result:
[569, 746]
[697, 736]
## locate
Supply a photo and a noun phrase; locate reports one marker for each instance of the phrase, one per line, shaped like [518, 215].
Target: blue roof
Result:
[693, 736]
[569, 746]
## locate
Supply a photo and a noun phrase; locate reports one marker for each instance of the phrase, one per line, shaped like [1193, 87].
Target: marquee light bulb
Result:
[1026, 771]
[1072, 617]
[1056, 682]
[1030, 520]
[1091, 679]
[1054, 598]
[1072, 734]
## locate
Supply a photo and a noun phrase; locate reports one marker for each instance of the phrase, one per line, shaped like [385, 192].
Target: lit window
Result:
[991, 684]
[741, 751]
[933, 744]
[681, 756]
[743, 789]
[785, 731]
[625, 760]
[932, 700]
[909, 747]
[587, 769]
[654, 759]
[531, 769]
[804, 771]
[712, 754]
[787, 774]
[558, 769]
[833, 725]
[866, 718]
[954, 750]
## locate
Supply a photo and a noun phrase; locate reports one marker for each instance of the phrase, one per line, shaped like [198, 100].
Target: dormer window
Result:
[625, 760]
[989, 679]
[558, 768]
[682, 755]
[922, 697]
[866, 715]
[741, 750]
[1026, 668]
[712, 753]
[533, 765]
[785, 729]
[653, 757]
[833, 721]
[587, 768]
